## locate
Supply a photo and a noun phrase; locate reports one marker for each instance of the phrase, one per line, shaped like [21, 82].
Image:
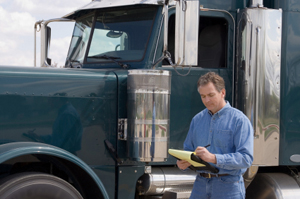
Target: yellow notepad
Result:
[184, 155]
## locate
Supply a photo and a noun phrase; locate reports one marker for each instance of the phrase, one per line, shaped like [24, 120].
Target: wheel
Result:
[37, 186]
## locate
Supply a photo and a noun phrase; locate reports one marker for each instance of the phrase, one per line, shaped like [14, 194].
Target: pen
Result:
[204, 147]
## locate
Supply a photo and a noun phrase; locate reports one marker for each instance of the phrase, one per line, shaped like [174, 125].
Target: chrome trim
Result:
[295, 158]
[261, 80]
[179, 38]
[122, 129]
[157, 41]
[143, 139]
[166, 27]
[149, 91]
[37, 24]
[149, 72]
[57, 20]
[159, 34]
[141, 121]
[148, 169]
[257, 81]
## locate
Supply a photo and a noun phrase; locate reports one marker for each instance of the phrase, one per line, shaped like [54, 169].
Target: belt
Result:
[208, 175]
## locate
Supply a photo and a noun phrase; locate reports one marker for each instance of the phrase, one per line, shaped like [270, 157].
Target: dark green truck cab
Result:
[67, 125]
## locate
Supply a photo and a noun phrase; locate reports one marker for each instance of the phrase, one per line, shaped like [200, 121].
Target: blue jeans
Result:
[223, 187]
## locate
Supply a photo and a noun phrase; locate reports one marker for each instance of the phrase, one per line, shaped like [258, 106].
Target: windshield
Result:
[79, 40]
[121, 34]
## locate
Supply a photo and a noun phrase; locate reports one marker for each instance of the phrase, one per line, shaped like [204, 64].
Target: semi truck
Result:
[101, 126]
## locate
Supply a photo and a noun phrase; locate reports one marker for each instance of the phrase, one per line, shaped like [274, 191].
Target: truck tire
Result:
[36, 186]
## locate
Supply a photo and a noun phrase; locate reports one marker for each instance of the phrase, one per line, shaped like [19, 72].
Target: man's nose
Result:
[207, 99]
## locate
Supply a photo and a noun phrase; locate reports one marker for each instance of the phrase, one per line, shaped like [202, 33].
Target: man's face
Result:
[211, 98]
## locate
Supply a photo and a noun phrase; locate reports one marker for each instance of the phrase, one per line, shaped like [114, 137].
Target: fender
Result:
[15, 149]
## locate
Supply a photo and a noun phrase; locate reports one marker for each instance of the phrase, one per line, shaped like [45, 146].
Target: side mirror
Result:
[45, 39]
[48, 44]
[187, 32]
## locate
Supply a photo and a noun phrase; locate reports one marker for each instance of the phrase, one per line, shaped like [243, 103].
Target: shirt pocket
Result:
[224, 139]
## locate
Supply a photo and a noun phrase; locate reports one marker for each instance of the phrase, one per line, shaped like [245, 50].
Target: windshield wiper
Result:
[72, 60]
[110, 58]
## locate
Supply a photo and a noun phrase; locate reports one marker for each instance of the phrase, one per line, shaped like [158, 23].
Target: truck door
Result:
[215, 53]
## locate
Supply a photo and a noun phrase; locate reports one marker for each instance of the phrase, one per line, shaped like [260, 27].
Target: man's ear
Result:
[223, 91]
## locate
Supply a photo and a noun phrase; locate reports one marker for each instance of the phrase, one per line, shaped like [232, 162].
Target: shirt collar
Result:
[220, 112]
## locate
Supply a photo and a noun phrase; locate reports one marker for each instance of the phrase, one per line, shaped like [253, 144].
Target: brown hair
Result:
[214, 78]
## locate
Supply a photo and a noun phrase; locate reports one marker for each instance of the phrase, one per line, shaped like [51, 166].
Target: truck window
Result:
[212, 43]
[112, 40]
[79, 40]
[121, 34]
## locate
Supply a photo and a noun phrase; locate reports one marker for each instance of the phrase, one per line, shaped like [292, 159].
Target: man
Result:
[229, 134]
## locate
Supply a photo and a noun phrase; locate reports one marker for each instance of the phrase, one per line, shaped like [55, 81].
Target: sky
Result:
[17, 19]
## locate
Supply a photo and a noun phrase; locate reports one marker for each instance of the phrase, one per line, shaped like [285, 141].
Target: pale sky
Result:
[17, 19]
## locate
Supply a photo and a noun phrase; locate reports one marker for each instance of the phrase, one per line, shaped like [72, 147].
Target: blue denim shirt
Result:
[230, 135]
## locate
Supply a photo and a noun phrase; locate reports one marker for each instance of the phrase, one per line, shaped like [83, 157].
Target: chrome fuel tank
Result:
[273, 185]
[166, 179]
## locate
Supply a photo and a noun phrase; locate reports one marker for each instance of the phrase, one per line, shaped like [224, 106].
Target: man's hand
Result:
[205, 155]
[182, 164]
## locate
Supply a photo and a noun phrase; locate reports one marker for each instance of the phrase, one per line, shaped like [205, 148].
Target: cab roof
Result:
[95, 4]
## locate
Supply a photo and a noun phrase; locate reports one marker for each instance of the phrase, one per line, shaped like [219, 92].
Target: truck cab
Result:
[101, 126]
